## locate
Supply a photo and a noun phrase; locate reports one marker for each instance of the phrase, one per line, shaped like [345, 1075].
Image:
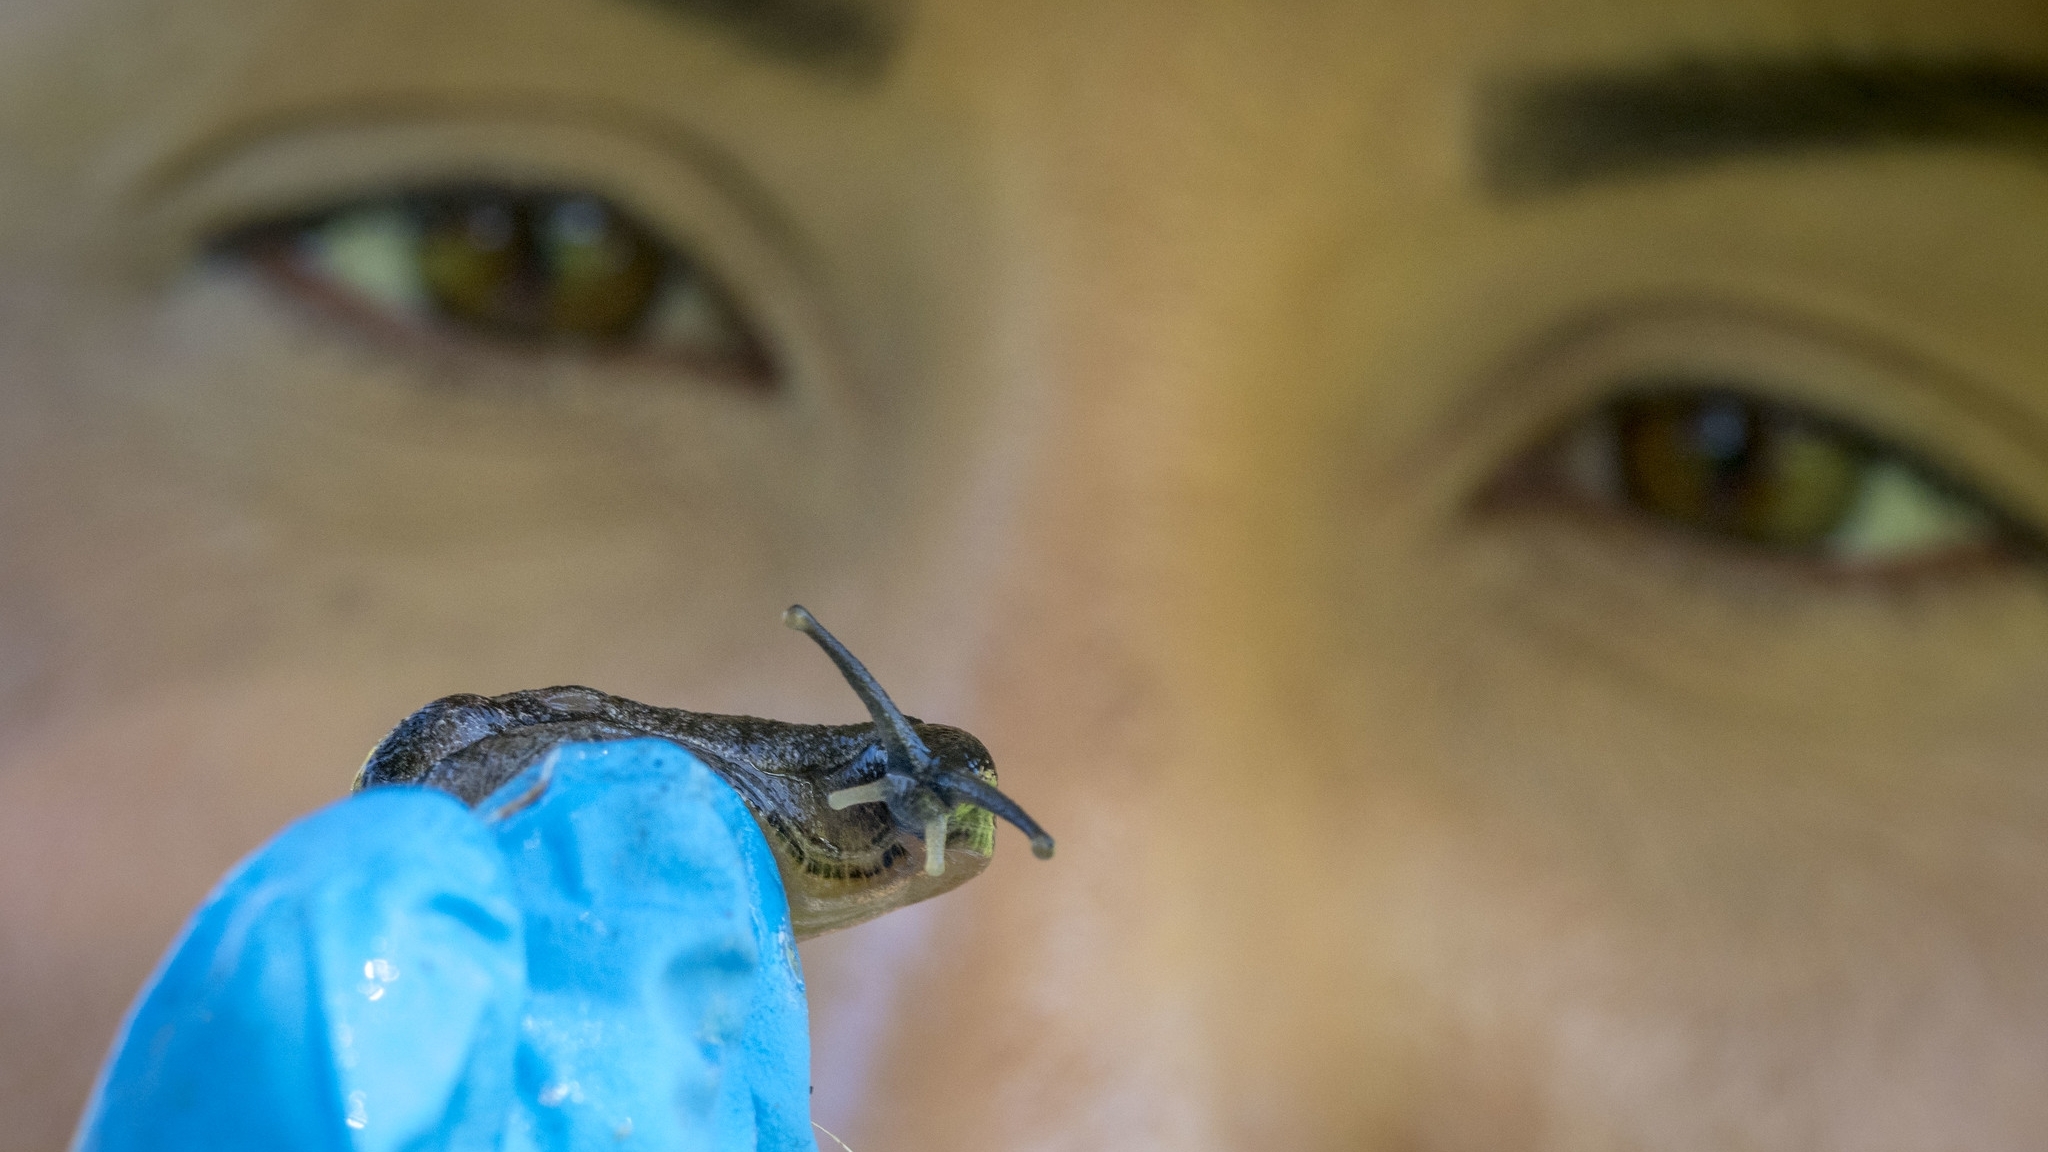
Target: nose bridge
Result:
[1147, 349]
[1124, 681]
[1108, 497]
[1143, 624]
[1153, 374]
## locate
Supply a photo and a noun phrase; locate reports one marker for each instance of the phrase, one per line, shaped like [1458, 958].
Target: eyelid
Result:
[696, 200]
[1971, 437]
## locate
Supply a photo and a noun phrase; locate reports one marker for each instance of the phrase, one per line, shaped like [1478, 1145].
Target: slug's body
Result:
[862, 818]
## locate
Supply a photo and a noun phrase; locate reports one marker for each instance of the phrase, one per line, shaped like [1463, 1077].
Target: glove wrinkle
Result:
[331, 993]
[653, 916]
[611, 967]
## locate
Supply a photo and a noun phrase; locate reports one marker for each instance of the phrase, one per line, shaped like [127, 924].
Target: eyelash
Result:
[525, 269]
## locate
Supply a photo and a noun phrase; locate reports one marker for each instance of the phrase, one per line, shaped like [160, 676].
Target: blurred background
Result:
[1505, 537]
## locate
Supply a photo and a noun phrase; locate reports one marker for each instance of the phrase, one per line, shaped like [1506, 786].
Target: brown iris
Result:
[539, 267]
[1734, 466]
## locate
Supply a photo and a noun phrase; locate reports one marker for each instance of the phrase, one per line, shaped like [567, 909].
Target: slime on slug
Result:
[840, 804]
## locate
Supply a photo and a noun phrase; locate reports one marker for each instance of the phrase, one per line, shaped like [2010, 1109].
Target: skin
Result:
[1150, 369]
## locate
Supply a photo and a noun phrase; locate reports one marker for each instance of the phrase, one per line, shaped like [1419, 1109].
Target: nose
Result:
[1138, 628]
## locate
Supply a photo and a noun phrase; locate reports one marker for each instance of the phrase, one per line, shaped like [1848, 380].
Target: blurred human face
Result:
[1526, 618]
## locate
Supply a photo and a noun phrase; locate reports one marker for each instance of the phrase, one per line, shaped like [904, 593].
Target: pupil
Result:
[1723, 431]
[490, 227]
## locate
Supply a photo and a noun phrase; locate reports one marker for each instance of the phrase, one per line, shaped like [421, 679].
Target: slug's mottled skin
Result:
[862, 818]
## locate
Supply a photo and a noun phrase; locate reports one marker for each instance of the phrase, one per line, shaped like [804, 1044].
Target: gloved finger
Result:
[354, 984]
[667, 1004]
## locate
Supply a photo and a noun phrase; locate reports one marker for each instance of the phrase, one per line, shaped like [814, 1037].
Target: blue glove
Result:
[609, 966]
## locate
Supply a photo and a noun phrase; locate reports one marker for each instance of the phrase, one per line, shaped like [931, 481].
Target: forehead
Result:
[890, 56]
[1489, 88]
[858, 40]
[1369, 33]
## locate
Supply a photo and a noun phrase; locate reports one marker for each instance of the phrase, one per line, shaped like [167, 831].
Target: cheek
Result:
[1213, 959]
[1203, 961]
[192, 486]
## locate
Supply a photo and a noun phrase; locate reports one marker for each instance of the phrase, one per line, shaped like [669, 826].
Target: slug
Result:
[862, 818]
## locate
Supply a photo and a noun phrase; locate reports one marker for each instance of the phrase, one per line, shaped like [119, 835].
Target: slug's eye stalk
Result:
[916, 787]
[961, 788]
[907, 753]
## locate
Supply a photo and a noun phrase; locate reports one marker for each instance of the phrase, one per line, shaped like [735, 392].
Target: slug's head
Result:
[926, 786]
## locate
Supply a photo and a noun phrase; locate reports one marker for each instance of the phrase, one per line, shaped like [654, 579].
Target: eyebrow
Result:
[849, 39]
[1555, 133]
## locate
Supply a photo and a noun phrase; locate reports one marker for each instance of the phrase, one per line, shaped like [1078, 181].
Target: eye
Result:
[1726, 465]
[532, 269]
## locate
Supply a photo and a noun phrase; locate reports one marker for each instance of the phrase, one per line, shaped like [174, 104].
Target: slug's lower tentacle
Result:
[935, 845]
[959, 788]
[872, 792]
